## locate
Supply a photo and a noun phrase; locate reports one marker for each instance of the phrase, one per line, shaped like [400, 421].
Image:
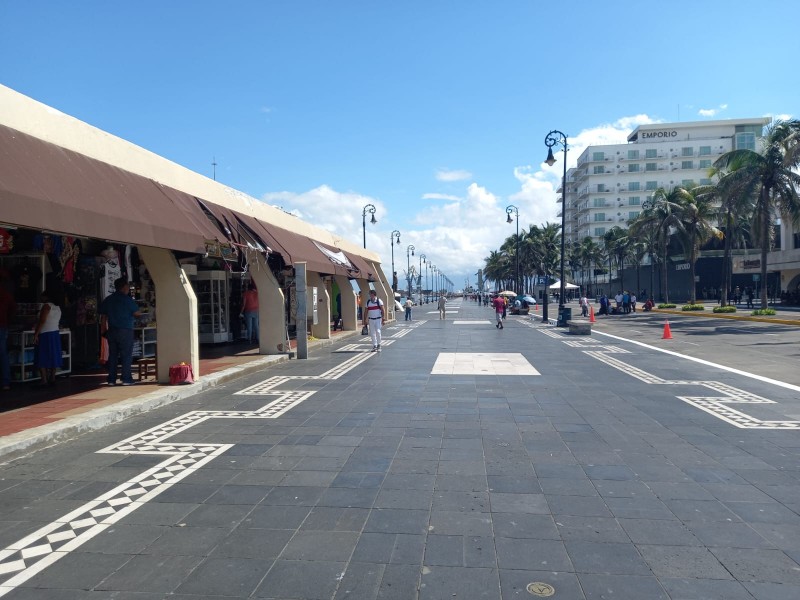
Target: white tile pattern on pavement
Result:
[25, 558]
[482, 363]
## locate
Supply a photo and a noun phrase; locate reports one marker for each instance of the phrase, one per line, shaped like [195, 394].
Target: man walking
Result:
[499, 304]
[408, 306]
[374, 317]
[442, 304]
[117, 312]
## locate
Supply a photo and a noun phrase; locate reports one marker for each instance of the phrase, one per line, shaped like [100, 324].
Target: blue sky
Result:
[435, 111]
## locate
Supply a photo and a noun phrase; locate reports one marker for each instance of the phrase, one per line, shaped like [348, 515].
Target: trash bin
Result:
[564, 315]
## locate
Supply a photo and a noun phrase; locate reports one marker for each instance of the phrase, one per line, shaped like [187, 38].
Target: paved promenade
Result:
[460, 462]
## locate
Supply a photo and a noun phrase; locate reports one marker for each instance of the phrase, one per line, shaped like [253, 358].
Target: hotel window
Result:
[601, 187]
[651, 185]
[652, 153]
[633, 168]
[705, 151]
[600, 216]
[687, 183]
[599, 231]
[598, 202]
[599, 169]
[650, 166]
[687, 164]
[633, 186]
[633, 214]
[705, 181]
[633, 154]
[745, 141]
[705, 163]
[598, 155]
[634, 201]
[687, 152]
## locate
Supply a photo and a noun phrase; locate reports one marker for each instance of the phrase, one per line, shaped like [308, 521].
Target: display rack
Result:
[145, 342]
[21, 354]
[211, 289]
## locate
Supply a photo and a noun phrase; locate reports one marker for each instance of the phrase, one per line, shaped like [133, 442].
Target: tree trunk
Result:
[693, 257]
[664, 280]
[765, 193]
[726, 264]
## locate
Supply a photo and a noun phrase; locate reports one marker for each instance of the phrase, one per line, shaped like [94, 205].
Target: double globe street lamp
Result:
[422, 259]
[369, 208]
[394, 237]
[550, 140]
[513, 209]
[409, 253]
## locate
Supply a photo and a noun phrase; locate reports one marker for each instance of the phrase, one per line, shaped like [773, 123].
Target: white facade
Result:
[611, 182]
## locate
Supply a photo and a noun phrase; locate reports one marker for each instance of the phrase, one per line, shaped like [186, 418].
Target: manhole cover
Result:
[537, 588]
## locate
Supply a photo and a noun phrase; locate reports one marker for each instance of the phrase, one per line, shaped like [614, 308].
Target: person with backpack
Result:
[374, 318]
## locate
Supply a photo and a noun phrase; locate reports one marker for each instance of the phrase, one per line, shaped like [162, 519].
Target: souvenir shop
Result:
[77, 273]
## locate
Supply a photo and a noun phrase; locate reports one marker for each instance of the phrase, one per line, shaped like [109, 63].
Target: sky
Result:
[434, 111]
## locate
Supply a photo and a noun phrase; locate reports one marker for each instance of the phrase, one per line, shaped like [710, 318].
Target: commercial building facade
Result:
[79, 206]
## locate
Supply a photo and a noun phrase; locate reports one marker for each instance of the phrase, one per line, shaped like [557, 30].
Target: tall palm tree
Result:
[617, 242]
[646, 229]
[769, 177]
[695, 226]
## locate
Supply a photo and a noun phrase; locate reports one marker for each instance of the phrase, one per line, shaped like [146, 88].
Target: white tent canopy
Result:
[567, 286]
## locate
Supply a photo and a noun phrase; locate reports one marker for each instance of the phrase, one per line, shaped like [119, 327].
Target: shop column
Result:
[176, 312]
[349, 304]
[322, 330]
[271, 317]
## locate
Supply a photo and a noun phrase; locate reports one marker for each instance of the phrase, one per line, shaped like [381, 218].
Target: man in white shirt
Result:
[374, 317]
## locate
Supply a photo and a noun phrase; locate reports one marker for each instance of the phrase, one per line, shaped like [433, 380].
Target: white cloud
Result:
[711, 112]
[453, 175]
[435, 196]
[780, 117]
[456, 232]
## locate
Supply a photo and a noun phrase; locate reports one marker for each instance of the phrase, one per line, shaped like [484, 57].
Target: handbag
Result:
[365, 330]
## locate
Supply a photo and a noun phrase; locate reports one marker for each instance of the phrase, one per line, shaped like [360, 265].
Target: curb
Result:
[54, 433]
[733, 317]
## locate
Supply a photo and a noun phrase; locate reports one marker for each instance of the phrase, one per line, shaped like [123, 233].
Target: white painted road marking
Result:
[482, 363]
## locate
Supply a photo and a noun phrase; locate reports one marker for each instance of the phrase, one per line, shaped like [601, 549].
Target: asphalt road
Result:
[462, 461]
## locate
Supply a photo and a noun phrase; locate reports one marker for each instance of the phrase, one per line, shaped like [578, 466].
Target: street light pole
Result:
[392, 236]
[427, 262]
[409, 253]
[509, 209]
[422, 259]
[550, 140]
[369, 208]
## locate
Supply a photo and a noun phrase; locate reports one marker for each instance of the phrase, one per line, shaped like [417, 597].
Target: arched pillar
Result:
[322, 330]
[349, 304]
[271, 317]
[176, 312]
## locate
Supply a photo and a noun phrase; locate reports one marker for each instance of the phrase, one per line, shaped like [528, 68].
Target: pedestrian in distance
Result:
[584, 303]
[633, 302]
[408, 306]
[441, 305]
[117, 313]
[374, 318]
[499, 308]
[47, 339]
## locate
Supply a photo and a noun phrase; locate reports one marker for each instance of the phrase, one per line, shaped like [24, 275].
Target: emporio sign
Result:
[659, 134]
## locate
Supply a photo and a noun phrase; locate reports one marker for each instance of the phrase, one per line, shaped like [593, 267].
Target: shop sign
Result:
[213, 249]
[682, 267]
[751, 264]
[659, 134]
[6, 241]
[227, 252]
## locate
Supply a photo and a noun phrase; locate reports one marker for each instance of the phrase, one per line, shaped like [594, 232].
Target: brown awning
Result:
[365, 268]
[45, 186]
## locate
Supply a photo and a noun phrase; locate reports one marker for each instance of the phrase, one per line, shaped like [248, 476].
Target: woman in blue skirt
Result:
[47, 340]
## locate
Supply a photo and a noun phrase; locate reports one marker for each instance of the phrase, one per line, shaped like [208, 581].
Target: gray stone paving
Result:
[393, 483]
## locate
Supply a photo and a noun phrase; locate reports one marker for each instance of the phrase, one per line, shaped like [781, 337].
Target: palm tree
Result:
[664, 210]
[646, 228]
[768, 177]
[616, 242]
[694, 226]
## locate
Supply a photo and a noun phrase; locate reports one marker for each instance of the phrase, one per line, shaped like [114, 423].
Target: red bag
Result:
[181, 374]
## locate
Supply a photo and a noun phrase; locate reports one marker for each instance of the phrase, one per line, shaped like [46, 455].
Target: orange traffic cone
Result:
[536, 307]
[591, 315]
[667, 333]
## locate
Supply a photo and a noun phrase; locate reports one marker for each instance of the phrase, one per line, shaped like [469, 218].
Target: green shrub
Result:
[763, 311]
[724, 309]
[666, 305]
[687, 307]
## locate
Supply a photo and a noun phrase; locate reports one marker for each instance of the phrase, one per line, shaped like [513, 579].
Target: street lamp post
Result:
[509, 209]
[433, 279]
[392, 236]
[369, 208]
[550, 140]
[409, 253]
[427, 262]
[422, 259]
